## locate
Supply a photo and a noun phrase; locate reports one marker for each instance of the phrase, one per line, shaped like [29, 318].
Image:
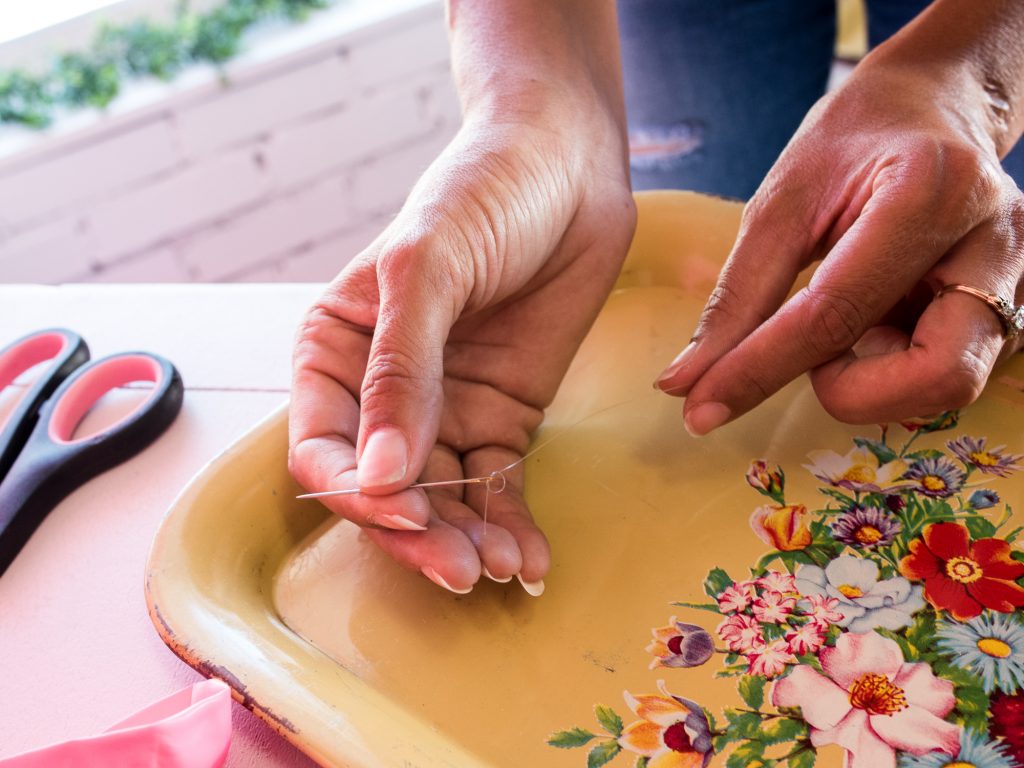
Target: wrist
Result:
[969, 55]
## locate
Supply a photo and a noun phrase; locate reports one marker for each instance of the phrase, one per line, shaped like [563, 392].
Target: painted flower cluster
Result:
[887, 621]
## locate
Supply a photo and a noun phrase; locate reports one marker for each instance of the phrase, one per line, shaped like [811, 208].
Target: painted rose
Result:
[871, 702]
[1007, 723]
[858, 470]
[671, 732]
[680, 645]
[781, 527]
[963, 576]
[865, 602]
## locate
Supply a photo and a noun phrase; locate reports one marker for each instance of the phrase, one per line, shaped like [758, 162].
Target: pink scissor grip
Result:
[19, 358]
[189, 729]
[96, 382]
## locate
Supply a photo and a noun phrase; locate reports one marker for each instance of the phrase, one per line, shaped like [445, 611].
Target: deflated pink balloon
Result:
[189, 729]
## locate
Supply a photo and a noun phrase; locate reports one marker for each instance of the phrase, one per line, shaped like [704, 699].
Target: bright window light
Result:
[22, 18]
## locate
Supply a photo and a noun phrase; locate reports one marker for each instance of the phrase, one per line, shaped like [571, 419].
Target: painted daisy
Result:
[866, 527]
[976, 751]
[983, 499]
[938, 477]
[991, 646]
[992, 461]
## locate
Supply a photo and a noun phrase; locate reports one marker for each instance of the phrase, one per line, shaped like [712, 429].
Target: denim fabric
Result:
[715, 88]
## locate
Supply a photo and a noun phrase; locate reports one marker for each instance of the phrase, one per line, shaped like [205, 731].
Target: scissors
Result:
[41, 461]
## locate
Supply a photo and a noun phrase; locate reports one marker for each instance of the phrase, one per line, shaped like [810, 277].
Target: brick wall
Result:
[282, 169]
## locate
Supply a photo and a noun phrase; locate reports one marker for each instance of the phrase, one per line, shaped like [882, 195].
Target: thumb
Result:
[402, 391]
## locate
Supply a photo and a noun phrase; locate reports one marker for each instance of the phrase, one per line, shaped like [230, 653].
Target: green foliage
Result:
[574, 737]
[93, 78]
[717, 581]
[971, 700]
[980, 527]
[803, 759]
[782, 730]
[751, 688]
[602, 754]
[882, 452]
[748, 754]
[610, 721]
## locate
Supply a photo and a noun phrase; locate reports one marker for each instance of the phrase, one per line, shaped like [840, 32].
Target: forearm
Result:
[523, 57]
[978, 45]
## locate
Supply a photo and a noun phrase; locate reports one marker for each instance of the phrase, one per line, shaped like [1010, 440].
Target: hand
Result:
[894, 183]
[434, 353]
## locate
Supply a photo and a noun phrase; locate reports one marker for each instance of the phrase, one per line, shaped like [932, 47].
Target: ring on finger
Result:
[1011, 316]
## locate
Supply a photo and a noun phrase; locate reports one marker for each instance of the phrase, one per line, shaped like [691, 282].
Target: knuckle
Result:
[389, 371]
[723, 304]
[832, 324]
[963, 383]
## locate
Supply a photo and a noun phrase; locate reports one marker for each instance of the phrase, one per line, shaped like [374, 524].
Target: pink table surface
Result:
[77, 649]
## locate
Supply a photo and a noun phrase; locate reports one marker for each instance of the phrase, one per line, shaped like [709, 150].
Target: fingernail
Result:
[535, 588]
[706, 417]
[400, 523]
[385, 459]
[676, 365]
[435, 577]
[487, 573]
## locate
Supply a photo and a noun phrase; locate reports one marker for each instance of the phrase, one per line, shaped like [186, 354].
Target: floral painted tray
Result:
[789, 591]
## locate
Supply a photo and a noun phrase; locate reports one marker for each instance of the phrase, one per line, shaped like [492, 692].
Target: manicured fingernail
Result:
[535, 588]
[676, 365]
[487, 573]
[385, 459]
[435, 577]
[706, 417]
[400, 523]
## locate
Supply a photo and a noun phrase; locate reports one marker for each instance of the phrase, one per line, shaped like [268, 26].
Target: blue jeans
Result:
[715, 88]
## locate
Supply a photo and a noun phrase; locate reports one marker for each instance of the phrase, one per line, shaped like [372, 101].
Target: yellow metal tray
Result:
[361, 663]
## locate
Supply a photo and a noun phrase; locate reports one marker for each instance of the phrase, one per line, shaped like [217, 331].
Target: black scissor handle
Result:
[66, 351]
[53, 463]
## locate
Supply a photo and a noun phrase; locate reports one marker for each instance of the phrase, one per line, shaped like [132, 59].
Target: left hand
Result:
[894, 184]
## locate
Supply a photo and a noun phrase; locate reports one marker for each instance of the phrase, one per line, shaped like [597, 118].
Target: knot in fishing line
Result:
[496, 482]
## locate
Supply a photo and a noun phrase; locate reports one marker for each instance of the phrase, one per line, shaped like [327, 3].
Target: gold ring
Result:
[1012, 317]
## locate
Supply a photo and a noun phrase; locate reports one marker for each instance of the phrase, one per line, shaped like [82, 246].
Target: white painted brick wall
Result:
[282, 174]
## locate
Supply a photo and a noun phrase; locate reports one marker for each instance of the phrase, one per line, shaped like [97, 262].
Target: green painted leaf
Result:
[804, 759]
[1013, 535]
[980, 527]
[713, 607]
[641, 762]
[610, 721]
[882, 452]
[751, 688]
[743, 725]
[716, 581]
[602, 754]
[783, 729]
[574, 737]
[746, 755]
[924, 453]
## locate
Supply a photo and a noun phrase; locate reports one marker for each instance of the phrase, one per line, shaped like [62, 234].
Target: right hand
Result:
[434, 353]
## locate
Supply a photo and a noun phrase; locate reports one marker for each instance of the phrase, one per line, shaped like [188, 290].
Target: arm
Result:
[893, 182]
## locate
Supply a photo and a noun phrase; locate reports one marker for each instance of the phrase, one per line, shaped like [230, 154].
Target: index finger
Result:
[873, 265]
